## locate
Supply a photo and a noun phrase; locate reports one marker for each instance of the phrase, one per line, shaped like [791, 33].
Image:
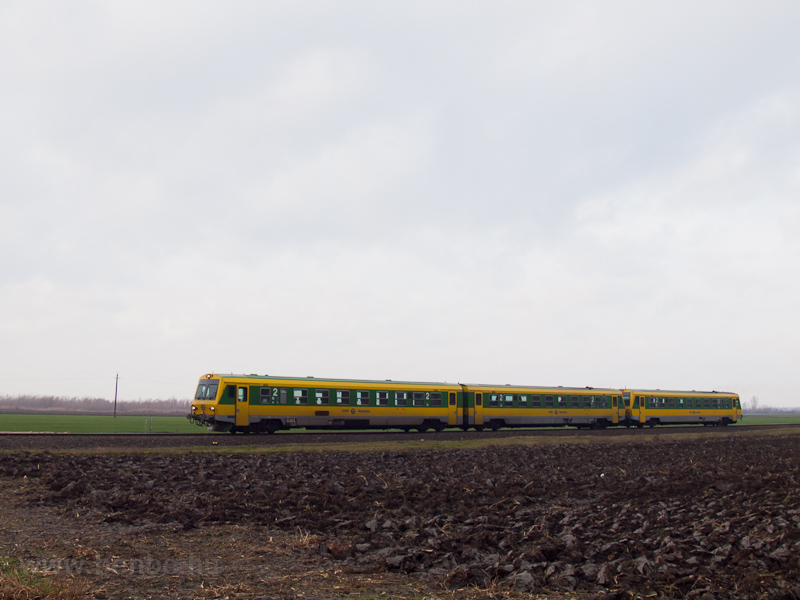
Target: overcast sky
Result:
[570, 193]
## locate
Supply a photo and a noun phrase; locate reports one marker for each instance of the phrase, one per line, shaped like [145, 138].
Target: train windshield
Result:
[207, 390]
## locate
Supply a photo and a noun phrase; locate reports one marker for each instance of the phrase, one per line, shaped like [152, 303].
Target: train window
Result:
[300, 396]
[671, 403]
[231, 389]
[536, 401]
[362, 398]
[452, 398]
[508, 400]
[400, 398]
[706, 403]
[548, 402]
[242, 394]
[264, 395]
[419, 399]
[343, 397]
[436, 398]
[201, 392]
[562, 401]
[523, 401]
[715, 403]
[211, 391]
[575, 402]
[494, 400]
[382, 398]
[690, 403]
[283, 395]
[322, 396]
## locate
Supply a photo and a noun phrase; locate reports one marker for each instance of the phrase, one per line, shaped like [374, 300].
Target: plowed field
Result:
[715, 517]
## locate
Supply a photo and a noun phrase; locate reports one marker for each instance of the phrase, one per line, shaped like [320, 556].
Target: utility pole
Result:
[116, 387]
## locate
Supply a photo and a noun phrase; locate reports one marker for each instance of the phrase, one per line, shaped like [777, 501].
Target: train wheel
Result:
[495, 425]
[422, 428]
[478, 427]
[439, 426]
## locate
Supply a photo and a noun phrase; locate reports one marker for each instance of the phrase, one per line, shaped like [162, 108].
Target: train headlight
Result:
[194, 408]
[211, 408]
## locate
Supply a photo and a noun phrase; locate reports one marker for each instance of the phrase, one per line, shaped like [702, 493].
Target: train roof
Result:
[639, 390]
[551, 388]
[485, 386]
[324, 379]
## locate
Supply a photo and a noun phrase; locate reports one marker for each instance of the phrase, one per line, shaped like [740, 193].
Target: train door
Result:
[615, 410]
[242, 407]
[636, 402]
[478, 409]
[452, 411]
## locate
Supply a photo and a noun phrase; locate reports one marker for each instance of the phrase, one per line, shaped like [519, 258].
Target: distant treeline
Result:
[173, 406]
[93, 406]
[770, 410]
[754, 407]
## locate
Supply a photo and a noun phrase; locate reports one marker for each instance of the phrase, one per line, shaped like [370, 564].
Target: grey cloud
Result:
[574, 194]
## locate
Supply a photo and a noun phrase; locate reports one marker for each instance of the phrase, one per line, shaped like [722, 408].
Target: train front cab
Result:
[210, 407]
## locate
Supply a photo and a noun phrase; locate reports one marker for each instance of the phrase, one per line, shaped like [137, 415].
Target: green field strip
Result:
[19, 423]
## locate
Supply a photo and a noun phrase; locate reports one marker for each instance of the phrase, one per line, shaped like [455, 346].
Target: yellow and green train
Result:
[266, 404]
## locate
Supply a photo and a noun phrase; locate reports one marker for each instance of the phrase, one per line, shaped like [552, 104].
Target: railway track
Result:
[78, 441]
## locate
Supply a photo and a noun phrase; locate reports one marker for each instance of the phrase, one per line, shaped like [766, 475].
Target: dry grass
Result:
[16, 583]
